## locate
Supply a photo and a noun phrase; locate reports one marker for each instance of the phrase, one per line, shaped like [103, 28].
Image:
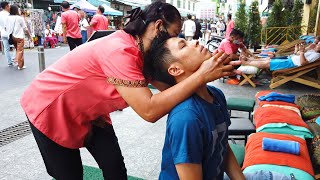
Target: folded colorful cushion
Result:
[284, 128]
[276, 145]
[256, 155]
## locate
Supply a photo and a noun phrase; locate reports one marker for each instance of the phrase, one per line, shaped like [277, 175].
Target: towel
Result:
[286, 146]
[273, 96]
[318, 120]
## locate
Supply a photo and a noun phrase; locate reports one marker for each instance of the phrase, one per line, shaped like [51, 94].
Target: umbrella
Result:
[85, 6]
[110, 11]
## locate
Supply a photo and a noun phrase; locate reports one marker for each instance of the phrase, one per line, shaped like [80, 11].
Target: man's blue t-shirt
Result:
[197, 132]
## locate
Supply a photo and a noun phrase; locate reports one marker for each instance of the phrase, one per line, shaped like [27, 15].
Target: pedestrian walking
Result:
[70, 26]
[189, 28]
[17, 27]
[99, 21]
[68, 104]
[198, 33]
[3, 33]
[230, 25]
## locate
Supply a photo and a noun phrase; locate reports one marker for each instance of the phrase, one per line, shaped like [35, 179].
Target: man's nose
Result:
[194, 42]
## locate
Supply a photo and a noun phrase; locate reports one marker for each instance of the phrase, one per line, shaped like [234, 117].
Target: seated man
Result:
[314, 44]
[196, 143]
[49, 38]
[231, 45]
[290, 62]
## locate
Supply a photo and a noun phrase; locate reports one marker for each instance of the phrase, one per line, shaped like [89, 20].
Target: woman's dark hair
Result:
[157, 60]
[14, 10]
[229, 16]
[140, 19]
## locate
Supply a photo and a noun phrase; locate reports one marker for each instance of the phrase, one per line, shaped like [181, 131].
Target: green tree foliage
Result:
[277, 17]
[241, 20]
[313, 17]
[254, 24]
[296, 13]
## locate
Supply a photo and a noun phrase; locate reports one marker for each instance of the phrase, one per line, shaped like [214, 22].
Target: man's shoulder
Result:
[187, 105]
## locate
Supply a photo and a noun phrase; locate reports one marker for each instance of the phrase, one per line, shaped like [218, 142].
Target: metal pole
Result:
[42, 63]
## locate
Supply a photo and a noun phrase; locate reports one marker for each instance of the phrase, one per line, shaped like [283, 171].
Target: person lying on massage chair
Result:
[304, 57]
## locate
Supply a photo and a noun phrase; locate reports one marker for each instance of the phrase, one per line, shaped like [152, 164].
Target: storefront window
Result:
[178, 4]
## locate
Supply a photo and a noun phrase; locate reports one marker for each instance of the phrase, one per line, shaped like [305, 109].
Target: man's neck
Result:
[204, 94]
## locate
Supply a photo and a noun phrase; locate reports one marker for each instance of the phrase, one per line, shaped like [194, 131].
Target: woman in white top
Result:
[17, 27]
[84, 25]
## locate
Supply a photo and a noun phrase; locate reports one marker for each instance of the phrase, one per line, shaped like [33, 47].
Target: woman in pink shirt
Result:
[68, 104]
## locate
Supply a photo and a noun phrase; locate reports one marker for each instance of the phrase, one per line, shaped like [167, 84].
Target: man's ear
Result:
[175, 70]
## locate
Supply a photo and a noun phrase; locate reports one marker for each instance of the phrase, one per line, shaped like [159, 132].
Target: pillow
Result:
[248, 69]
[285, 170]
[284, 128]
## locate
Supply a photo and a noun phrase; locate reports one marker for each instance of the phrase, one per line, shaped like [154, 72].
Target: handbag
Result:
[10, 35]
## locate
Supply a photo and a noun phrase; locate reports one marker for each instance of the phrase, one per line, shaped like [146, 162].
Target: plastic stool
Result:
[241, 104]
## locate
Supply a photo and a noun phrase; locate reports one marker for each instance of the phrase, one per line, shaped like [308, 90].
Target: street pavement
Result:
[141, 142]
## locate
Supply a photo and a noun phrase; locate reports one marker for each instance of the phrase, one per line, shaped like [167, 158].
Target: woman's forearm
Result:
[152, 107]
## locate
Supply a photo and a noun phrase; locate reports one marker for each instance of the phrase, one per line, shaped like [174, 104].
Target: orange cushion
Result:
[254, 153]
[266, 115]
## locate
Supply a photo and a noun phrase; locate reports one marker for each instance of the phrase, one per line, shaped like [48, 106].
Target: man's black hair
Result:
[229, 16]
[65, 4]
[189, 16]
[14, 10]
[4, 4]
[101, 9]
[237, 33]
[157, 59]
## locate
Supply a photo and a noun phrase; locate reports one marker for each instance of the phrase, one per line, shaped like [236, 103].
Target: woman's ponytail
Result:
[136, 24]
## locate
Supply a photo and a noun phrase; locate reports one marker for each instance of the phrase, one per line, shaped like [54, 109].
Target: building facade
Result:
[185, 7]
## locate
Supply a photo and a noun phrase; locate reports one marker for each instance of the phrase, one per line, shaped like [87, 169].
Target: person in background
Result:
[196, 142]
[312, 45]
[3, 33]
[197, 34]
[84, 25]
[48, 33]
[70, 26]
[302, 58]
[17, 26]
[99, 21]
[76, 8]
[189, 28]
[233, 43]
[230, 25]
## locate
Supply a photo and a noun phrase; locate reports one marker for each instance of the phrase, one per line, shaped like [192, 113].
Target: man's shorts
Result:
[276, 64]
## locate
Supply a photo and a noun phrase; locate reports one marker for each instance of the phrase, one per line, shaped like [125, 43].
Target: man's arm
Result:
[303, 59]
[64, 31]
[189, 171]
[232, 167]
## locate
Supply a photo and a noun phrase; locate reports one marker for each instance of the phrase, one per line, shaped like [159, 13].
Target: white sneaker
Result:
[24, 67]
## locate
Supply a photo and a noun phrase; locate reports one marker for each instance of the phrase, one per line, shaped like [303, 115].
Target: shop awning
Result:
[60, 1]
[136, 3]
[85, 6]
[110, 11]
[99, 2]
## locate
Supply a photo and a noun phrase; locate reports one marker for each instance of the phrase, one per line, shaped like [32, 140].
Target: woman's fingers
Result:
[235, 63]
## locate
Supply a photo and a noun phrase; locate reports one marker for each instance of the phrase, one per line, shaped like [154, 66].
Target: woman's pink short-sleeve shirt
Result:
[63, 100]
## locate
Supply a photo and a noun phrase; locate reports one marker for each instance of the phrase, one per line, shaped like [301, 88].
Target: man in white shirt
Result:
[189, 28]
[303, 58]
[4, 35]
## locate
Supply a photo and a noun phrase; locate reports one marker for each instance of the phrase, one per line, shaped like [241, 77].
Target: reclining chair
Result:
[297, 74]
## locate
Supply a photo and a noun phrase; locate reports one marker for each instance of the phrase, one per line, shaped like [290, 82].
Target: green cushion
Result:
[284, 128]
[238, 151]
[241, 104]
